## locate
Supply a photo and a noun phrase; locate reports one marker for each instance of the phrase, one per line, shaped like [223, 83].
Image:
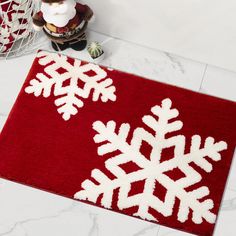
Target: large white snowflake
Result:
[152, 169]
[70, 83]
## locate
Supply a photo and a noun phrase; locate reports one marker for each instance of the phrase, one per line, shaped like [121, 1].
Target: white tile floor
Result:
[29, 212]
[220, 83]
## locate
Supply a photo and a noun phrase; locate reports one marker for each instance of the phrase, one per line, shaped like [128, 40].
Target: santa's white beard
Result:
[59, 14]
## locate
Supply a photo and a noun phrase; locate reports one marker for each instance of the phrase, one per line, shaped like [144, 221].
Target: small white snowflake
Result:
[152, 169]
[70, 95]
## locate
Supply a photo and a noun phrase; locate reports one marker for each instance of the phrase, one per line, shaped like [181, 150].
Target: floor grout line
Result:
[203, 77]
[106, 41]
[158, 230]
[147, 47]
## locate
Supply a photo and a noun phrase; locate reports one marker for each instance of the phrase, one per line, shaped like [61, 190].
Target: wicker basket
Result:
[17, 36]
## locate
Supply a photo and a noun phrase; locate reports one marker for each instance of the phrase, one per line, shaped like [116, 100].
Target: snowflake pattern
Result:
[152, 170]
[62, 79]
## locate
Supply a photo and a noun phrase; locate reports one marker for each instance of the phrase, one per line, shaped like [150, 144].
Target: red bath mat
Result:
[115, 140]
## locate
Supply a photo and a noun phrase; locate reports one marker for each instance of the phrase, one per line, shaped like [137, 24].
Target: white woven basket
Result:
[17, 36]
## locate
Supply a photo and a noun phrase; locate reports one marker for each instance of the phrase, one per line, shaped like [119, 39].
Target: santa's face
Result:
[59, 13]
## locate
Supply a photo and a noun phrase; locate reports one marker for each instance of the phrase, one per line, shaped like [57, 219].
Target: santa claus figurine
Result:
[64, 22]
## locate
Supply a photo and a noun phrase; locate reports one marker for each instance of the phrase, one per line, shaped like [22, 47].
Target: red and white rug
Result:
[121, 142]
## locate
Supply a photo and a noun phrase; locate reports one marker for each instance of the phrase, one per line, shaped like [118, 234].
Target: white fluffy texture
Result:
[70, 96]
[59, 14]
[152, 169]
